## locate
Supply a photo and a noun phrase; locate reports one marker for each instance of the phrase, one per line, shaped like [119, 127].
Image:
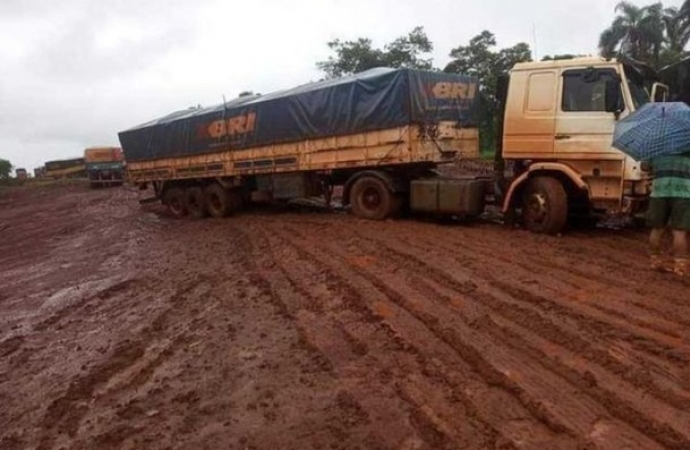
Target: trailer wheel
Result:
[371, 199]
[544, 205]
[195, 201]
[220, 202]
[174, 199]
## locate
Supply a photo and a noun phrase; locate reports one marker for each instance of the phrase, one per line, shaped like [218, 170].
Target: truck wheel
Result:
[195, 201]
[219, 201]
[544, 206]
[174, 199]
[371, 199]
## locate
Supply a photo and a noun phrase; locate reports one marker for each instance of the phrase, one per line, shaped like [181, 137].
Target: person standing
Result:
[669, 208]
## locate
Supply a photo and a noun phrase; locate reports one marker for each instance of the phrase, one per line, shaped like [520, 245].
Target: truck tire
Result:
[221, 202]
[371, 199]
[195, 201]
[544, 205]
[174, 199]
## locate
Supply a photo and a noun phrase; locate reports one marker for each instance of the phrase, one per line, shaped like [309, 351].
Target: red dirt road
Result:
[123, 328]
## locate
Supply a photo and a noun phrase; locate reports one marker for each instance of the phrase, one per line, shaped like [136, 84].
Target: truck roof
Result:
[580, 61]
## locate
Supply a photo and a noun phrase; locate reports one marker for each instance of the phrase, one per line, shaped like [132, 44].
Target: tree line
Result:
[653, 34]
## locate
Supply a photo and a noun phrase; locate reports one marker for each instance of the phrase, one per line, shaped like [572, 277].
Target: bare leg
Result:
[655, 237]
[680, 243]
[680, 252]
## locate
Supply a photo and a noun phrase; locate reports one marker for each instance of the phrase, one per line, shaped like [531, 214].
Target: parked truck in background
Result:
[65, 168]
[105, 166]
[381, 135]
[21, 174]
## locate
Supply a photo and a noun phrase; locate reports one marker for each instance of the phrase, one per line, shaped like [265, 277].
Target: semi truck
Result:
[382, 134]
[104, 166]
[65, 168]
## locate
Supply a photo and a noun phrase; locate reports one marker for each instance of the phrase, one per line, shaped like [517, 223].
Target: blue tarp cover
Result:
[372, 100]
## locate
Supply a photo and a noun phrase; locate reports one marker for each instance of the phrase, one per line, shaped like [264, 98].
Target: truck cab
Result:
[105, 166]
[558, 128]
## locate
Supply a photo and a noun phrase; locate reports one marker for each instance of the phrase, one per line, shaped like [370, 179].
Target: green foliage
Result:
[359, 55]
[482, 60]
[652, 33]
[5, 169]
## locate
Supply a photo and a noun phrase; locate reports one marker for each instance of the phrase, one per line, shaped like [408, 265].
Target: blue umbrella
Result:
[656, 129]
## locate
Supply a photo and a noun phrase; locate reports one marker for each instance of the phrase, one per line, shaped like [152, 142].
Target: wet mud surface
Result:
[123, 328]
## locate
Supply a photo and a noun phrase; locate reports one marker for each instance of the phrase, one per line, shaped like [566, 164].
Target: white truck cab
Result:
[558, 129]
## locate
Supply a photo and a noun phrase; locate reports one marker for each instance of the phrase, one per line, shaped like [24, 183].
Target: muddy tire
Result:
[221, 202]
[370, 198]
[174, 199]
[544, 206]
[195, 201]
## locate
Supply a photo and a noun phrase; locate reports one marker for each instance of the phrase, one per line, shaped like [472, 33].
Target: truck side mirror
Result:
[614, 96]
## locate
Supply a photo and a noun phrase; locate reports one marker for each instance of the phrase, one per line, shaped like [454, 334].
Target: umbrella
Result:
[656, 129]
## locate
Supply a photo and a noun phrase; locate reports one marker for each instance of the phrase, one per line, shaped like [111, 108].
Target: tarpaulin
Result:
[372, 100]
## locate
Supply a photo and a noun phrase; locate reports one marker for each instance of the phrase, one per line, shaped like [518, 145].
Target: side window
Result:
[542, 90]
[585, 90]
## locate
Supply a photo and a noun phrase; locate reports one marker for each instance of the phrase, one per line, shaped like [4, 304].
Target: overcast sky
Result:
[75, 72]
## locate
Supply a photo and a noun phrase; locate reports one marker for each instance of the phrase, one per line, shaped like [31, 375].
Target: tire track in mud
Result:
[642, 423]
[558, 254]
[324, 325]
[86, 303]
[675, 400]
[574, 274]
[545, 254]
[660, 352]
[643, 339]
[379, 339]
[64, 414]
[474, 404]
[548, 306]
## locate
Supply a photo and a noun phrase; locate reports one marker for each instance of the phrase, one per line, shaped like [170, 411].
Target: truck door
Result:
[583, 127]
[530, 114]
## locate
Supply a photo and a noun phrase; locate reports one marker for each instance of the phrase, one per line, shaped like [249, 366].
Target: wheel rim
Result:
[371, 199]
[175, 205]
[537, 208]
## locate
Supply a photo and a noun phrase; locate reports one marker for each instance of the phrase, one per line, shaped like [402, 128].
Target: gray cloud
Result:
[75, 72]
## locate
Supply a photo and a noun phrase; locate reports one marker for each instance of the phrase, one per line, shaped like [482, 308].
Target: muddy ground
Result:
[123, 328]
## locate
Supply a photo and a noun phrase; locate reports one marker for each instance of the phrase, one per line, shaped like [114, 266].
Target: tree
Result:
[481, 60]
[636, 32]
[359, 55]
[5, 169]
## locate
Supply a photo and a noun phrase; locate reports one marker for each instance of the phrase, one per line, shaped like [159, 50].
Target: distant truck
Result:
[105, 166]
[39, 172]
[65, 168]
[382, 133]
[21, 174]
